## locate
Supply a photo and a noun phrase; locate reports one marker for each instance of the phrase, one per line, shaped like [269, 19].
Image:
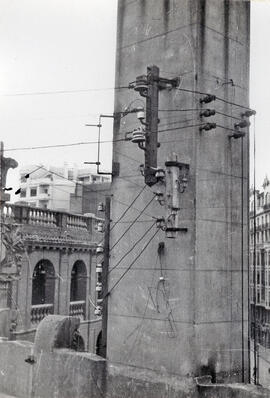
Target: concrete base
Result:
[64, 373]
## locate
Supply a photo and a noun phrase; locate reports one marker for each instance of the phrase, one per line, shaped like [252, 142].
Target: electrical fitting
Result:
[208, 126]
[99, 268]
[101, 207]
[138, 137]
[141, 115]
[160, 223]
[159, 196]
[208, 98]
[141, 85]
[100, 248]
[242, 124]
[208, 113]
[248, 113]
[100, 226]
[160, 175]
[237, 134]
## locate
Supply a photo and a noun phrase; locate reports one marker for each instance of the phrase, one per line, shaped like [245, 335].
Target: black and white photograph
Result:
[134, 199]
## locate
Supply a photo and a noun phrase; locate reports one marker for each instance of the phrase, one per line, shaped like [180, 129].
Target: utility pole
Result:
[149, 86]
[105, 269]
[151, 135]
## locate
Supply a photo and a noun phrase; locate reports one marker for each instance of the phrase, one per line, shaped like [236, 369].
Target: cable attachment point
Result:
[237, 134]
[208, 98]
[248, 113]
[160, 223]
[242, 124]
[208, 113]
[208, 126]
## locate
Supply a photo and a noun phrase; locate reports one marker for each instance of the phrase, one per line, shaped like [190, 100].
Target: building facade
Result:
[58, 271]
[50, 188]
[260, 263]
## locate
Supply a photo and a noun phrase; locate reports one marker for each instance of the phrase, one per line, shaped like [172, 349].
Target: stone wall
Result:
[64, 373]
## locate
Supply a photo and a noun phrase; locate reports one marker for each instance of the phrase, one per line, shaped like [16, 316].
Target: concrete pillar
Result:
[64, 284]
[191, 324]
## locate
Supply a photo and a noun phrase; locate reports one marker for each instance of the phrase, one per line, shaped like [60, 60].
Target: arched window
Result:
[78, 290]
[43, 286]
[98, 344]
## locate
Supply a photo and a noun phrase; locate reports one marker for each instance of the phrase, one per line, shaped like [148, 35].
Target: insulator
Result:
[99, 268]
[98, 311]
[140, 114]
[238, 134]
[160, 222]
[249, 113]
[208, 113]
[100, 248]
[160, 174]
[208, 126]
[208, 98]
[138, 136]
[159, 195]
[100, 206]
[242, 124]
[141, 83]
[100, 227]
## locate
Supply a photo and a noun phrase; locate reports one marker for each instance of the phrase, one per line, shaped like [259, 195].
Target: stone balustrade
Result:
[45, 217]
[39, 311]
[77, 308]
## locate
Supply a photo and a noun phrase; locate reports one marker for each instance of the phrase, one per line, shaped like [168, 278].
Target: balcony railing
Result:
[39, 311]
[77, 308]
[45, 217]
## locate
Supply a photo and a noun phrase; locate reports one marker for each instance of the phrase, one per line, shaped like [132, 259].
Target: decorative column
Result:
[11, 249]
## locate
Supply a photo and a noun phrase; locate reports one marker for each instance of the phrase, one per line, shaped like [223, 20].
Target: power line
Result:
[198, 110]
[145, 207]
[182, 127]
[129, 267]
[86, 90]
[63, 145]
[129, 251]
[89, 190]
[125, 212]
[218, 98]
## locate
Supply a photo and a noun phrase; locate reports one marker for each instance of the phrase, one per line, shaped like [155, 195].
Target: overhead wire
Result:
[63, 145]
[133, 262]
[218, 98]
[131, 249]
[75, 91]
[89, 190]
[134, 221]
[127, 209]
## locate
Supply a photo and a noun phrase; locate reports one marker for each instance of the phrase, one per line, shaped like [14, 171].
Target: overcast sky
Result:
[66, 45]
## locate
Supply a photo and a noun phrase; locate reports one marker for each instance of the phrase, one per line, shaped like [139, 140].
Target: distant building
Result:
[59, 271]
[87, 197]
[51, 188]
[260, 259]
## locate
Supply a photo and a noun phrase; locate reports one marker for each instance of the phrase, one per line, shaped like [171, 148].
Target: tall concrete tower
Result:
[179, 306]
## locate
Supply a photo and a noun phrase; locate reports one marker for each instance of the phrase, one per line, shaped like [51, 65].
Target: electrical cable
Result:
[198, 110]
[127, 209]
[129, 251]
[129, 267]
[218, 98]
[86, 90]
[63, 145]
[181, 127]
[142, 211]
[89, 190]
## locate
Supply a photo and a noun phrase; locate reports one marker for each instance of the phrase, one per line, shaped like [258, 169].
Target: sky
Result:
[47, 46]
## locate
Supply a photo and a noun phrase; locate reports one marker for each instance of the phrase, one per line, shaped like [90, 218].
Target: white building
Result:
[50, 187]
